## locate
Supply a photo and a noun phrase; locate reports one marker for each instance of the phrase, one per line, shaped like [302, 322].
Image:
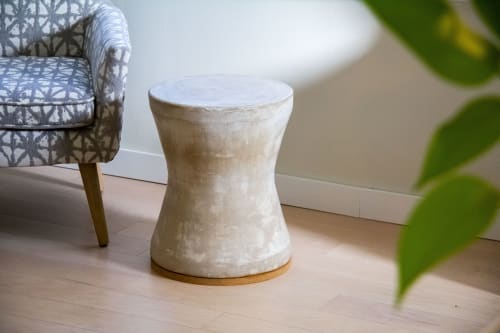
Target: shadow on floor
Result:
[380, 238]
[45, 208]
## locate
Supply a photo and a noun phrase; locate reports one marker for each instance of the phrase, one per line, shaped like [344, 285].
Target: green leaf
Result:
[433, 30]
[490, 12]
[469, 133]
[448, 218]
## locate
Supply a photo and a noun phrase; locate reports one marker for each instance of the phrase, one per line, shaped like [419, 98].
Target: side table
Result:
[221, 221]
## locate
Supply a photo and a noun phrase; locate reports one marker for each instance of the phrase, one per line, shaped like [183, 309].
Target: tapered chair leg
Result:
[101, 180]
[90, 178]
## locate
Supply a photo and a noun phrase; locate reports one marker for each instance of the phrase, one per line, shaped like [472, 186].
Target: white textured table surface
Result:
[219, 91]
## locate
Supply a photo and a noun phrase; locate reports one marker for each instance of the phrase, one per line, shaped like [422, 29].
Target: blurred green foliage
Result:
[473, 130]
[457, 208]
[447, 219]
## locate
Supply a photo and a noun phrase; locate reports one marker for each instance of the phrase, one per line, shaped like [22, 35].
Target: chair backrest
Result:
[44, 27]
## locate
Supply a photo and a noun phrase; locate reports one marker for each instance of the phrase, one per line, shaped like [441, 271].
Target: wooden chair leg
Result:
[90, 178]
[101, 180]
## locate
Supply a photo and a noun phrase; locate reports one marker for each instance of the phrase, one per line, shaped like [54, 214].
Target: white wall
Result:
[295, 41]
[364, 106]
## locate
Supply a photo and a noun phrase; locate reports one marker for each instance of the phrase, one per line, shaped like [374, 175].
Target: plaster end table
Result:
[221, 221]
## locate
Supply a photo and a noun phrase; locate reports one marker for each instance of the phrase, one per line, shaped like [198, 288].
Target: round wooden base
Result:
[221, 281]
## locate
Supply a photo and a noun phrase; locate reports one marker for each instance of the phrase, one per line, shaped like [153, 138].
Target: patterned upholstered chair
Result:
[63, 67]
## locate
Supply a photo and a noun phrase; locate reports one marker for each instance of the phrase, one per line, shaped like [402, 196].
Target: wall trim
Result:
[379, 205]
[308, 193]
[135, 164]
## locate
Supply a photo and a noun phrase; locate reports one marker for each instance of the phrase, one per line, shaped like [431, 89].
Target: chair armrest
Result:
[107, 49]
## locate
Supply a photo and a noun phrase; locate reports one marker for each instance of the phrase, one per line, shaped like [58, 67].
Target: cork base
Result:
[248, 279]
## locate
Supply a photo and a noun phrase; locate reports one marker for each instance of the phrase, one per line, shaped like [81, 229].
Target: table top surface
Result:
[221, 91]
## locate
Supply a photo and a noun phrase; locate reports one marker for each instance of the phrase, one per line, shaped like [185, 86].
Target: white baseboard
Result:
[134, 164]
[329, 197]
[354, 201]
[137, 165]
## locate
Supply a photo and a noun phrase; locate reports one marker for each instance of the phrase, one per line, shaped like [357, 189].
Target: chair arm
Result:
[107, 49]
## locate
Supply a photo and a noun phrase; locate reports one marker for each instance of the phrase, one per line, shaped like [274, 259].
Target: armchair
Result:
[63, 68]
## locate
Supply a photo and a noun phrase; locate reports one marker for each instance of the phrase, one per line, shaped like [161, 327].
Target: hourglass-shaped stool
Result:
[221, 221]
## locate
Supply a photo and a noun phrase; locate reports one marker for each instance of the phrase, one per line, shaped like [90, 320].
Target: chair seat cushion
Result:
[45, 93]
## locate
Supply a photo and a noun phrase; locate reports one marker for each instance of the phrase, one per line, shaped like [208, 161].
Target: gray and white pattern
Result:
[43, 27]
[45, 92]
[104, 43]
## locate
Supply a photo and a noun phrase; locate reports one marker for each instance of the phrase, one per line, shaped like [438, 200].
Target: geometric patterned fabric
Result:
[87, 50]
[45, 93]
[43, 27]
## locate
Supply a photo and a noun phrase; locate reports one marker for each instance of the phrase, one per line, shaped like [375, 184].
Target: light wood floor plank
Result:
[69, 291]
[342, 278]
[229, 323]
[16, 324]
[83, 317]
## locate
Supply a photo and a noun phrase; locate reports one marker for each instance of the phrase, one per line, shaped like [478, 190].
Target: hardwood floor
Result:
[54, 277]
